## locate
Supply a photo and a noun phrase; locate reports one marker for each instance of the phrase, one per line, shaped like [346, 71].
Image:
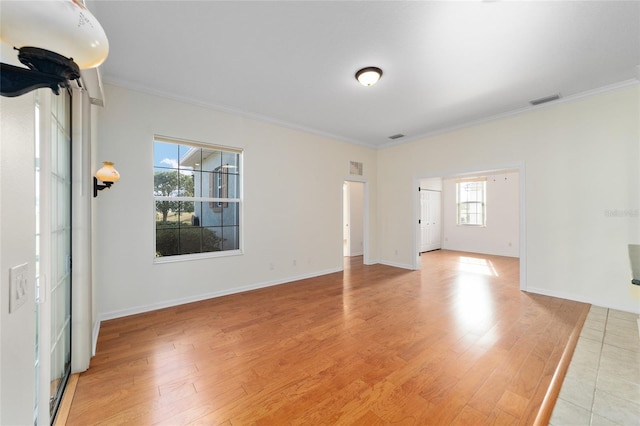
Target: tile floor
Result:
[602, 385]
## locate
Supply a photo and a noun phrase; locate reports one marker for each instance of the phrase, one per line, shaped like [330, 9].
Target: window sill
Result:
[196, 256]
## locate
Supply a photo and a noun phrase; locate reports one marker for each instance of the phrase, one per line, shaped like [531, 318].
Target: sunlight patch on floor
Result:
[474, 302]
[476, 265]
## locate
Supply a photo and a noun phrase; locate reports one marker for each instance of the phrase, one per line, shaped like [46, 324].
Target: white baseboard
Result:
[397, 265]
[175, 302]
[576, 298]
[94, 340]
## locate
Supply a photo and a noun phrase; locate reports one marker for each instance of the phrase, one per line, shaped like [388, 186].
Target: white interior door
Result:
[430, 220]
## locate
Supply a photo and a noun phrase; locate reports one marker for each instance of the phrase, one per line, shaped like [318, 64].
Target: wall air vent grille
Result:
[355, 168]
[546, 99]
[396, 136]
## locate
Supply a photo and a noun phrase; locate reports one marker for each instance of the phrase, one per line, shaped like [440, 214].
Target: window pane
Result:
[211, 214]
[471, 213]
[188, 159]
[190, 240]
[165, 155]
[203, 184]
[233, 186]
[219, 184]
[185, 213]
[188, 152]
[231, 215]
[167, 213]
[211, 160]
[167, 241]
[197, 183]
[185, 184]
[231, 238]
[212, 239]
[165, 182]
[232, 161]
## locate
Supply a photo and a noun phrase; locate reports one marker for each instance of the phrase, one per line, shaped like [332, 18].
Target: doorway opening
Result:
[430, 219]
[354, 218]
[503, 232]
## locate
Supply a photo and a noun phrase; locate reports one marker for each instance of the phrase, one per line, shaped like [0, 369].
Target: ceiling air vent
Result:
[546, 99]
[355, 168]
[396, 136]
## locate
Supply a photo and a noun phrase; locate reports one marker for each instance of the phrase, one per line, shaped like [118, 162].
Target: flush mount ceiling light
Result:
[369, 76]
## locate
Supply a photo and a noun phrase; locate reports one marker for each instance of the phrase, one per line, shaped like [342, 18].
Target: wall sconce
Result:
[55, 39]
[108, 175]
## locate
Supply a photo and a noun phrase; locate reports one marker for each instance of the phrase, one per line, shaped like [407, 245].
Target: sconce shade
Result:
[369, 76]
[107, 173]
[64, 27]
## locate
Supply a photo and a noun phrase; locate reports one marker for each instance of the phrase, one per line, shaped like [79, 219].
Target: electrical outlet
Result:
[19, 286]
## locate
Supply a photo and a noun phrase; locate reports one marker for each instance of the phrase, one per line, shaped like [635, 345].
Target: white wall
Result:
[431, 184]
[17, 246]
[500, 236]
[292, 210]
[580, 160]
[82, 195]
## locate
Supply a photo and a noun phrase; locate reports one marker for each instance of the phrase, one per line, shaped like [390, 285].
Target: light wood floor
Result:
[454, 343]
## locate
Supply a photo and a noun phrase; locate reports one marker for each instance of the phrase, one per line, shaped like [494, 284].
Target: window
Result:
[197, 198]
[471, 201]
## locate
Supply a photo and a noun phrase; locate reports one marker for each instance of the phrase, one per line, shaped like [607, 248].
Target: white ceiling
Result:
[446, 64]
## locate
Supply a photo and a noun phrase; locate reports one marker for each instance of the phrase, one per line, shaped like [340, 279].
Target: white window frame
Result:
[461, 199]
[239, 201]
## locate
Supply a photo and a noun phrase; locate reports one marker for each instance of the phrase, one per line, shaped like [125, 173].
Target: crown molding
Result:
[234, 111]
[515, 112]
[270, 120]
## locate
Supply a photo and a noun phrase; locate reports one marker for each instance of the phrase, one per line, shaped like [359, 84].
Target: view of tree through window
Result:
[197, 198]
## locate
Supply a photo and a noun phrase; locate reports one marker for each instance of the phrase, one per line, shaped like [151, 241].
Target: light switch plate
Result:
[19, 287]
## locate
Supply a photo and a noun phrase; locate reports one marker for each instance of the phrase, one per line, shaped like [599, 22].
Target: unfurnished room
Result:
[319, 212]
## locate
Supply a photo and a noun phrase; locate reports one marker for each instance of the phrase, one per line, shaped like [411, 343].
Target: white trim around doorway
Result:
[520, 167]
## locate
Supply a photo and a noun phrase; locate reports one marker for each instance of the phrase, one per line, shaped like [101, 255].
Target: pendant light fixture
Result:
[369, 76]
